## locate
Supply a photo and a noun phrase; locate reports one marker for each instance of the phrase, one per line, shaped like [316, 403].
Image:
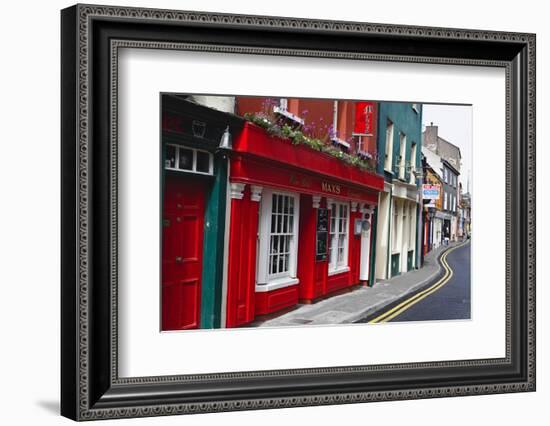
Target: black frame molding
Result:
[91, 37]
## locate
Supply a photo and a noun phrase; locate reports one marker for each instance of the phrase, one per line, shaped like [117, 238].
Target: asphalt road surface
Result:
[447, 297]
[452, 300]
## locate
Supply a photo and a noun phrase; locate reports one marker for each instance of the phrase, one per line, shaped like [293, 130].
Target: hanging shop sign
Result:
[431, 192]
[365, 118]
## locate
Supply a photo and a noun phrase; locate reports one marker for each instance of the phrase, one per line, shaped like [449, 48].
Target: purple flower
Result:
[331, 132]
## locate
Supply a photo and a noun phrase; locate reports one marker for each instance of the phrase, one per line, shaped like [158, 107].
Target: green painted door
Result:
[410, 258]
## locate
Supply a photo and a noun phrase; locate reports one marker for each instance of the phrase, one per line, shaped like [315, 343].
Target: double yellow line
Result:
[403, 306]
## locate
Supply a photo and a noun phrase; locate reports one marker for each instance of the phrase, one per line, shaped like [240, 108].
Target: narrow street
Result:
[447, 298]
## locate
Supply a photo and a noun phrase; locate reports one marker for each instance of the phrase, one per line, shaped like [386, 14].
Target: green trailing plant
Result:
[297, 137]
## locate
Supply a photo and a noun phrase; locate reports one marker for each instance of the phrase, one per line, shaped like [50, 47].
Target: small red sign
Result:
[364, 118]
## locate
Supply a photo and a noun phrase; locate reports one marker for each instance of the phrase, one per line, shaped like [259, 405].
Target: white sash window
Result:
[339, 231]
[278, 240]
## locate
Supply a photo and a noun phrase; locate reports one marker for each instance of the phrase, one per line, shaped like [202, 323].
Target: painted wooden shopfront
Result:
[194, 191]
[298, 221]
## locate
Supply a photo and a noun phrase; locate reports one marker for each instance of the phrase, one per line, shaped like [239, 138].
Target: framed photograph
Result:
[263, 212]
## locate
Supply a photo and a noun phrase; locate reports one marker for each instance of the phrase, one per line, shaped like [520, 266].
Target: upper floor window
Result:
[412, 164]
[191, 160]
[282, 110]
[402, 155]
[388, 146]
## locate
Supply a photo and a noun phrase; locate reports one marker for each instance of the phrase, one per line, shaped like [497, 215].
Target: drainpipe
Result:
[390, 221]
[335, 114]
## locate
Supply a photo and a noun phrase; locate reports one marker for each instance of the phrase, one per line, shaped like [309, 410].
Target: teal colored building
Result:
[399, 144]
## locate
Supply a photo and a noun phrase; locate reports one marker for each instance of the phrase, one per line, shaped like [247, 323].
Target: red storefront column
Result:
[241, 271]
[354, 245]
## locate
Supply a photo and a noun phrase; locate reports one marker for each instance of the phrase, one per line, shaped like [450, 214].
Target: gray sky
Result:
[455, 126]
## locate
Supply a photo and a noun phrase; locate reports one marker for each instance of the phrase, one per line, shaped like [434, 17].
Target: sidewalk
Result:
[363, 301]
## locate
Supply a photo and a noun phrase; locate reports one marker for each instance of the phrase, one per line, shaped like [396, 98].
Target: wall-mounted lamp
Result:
[225, 141]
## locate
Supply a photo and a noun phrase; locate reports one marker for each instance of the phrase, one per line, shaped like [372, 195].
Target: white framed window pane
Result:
[332, 250]
[281, 235]
[339, 236]
[389, 143]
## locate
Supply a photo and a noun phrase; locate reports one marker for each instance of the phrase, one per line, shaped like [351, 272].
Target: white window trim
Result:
[341, 142]
[388, 149]
[276, 284]
[265, 281]
[333, 267]
[194, 166]
[282, 109]
[339, 270]
[402, 154]
[412, 177]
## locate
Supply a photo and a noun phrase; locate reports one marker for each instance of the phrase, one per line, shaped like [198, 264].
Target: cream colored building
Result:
[397, 229]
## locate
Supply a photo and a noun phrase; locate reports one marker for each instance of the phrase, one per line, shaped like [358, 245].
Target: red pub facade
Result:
[299, 219]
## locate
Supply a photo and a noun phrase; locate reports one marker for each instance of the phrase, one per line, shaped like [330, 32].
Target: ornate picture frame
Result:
[91, 38]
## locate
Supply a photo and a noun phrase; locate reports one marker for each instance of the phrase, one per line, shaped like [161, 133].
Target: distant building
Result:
[450, 158]
[466, 214]
[433, 223]
[445, 149]
[450, 201]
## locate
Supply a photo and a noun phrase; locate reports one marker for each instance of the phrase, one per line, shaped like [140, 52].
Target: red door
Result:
[182, 242]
